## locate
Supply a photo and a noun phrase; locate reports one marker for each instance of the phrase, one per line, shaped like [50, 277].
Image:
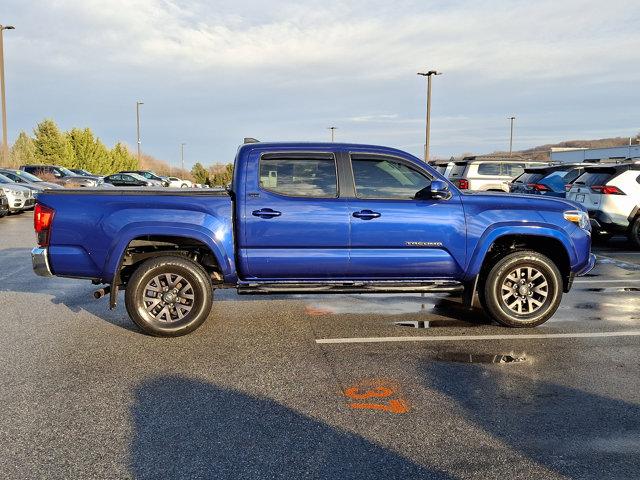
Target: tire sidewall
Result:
[188, 269]
[493, 289]
[634, 233]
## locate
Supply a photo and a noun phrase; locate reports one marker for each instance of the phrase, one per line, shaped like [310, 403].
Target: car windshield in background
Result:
[529, 178]
[67, 172]
[458, 170]
[593, 178]
[27, 176]
[4, 179]
[136, 176]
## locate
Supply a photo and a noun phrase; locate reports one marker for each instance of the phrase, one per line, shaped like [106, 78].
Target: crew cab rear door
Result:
[294, 225]
[393, 234]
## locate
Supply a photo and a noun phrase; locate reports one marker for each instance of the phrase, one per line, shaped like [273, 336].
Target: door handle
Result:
[366, 214]
[265, 213]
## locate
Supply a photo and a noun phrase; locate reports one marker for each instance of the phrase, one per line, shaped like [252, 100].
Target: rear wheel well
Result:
[142, 248]
[550, 247]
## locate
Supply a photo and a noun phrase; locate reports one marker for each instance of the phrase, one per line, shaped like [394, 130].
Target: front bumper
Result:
[588, 267]
[40, 261]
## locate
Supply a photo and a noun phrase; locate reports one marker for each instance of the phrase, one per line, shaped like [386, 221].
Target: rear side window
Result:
[512, 169]
[299, 177]
[489, 169]
[593, 178]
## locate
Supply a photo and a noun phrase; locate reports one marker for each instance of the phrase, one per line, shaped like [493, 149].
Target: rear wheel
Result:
[169, 296]
[523, 289]
[634, 232]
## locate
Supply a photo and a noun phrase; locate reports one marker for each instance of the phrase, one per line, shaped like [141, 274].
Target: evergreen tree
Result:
[51, 146]
[89, 152]
[23, 151]
[200, 174]
[121, 159]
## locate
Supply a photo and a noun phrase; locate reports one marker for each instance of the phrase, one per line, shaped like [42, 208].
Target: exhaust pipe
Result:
[101, 292]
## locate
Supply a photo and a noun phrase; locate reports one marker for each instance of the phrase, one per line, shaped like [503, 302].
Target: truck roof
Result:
[321, 146]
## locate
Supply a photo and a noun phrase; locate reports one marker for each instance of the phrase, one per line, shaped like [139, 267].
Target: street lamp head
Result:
[429, 73]
[140, 103]
[8, 27]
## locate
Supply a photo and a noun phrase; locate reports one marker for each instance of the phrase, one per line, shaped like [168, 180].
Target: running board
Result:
[257, 288]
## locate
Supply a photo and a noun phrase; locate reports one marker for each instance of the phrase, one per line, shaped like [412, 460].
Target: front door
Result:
[294, 223]
[393, 234]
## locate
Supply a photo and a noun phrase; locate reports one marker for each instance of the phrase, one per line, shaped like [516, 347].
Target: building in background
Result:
[576, 155]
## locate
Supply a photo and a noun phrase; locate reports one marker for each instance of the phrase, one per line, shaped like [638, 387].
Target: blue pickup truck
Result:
[314, 218]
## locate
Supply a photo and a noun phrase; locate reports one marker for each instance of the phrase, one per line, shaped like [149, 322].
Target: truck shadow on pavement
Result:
[185, 428]
[574, 433]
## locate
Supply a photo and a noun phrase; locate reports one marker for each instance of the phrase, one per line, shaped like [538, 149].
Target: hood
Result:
[531, 202]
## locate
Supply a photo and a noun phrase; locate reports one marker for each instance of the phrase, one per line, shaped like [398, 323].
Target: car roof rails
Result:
[250, 140]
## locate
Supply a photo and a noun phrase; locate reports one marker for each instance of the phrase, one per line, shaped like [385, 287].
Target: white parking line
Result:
[622, 280]
[466, 338]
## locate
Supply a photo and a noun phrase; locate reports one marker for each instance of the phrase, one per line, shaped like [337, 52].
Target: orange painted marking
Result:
[373, 390]
[377, 392]
[394, 406]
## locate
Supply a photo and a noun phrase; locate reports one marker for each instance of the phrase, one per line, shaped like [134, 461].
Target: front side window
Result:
[386, 179]
[299, 177]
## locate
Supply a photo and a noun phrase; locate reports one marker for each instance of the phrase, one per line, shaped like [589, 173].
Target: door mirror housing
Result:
[440, 190]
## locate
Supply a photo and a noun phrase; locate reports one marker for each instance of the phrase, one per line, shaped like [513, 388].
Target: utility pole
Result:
[428, 74]
[333, 130]
[511, 136]
[182, 156]
[5, 141]
[138, 103]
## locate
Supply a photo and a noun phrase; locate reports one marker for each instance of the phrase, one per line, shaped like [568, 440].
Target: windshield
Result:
[67, 172]
[529, 178]
[4, 179]
[27, 176]
[137, 177]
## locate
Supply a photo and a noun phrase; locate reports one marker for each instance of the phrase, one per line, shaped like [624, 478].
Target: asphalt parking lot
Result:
[318, 386]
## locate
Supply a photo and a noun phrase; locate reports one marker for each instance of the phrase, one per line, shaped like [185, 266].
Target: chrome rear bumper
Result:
[40, 261]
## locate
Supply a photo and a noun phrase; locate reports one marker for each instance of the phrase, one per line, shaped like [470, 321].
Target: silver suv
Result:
[488, 174]
[611, 194]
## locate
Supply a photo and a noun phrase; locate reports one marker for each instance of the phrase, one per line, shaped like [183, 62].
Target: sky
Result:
[212, 72]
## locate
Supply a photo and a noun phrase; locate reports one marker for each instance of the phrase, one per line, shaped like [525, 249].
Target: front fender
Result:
[216, 233]
[530, 229]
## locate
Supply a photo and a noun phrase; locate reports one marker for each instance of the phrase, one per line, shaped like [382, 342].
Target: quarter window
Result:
[300, 177]
[383, 178]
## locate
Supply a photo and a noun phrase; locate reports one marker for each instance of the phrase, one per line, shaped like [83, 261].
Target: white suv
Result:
[488, 174]
[611, 194]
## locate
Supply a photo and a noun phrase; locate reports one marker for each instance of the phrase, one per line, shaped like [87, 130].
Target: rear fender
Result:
[215, 236]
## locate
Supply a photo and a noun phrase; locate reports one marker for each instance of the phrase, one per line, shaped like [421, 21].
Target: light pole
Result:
[511, 136]
[333, 131]
[182, 156]
[138, 103]
[428, 126]
[5, 141]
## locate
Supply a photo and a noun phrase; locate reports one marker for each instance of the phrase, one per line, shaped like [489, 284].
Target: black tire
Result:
[634, 232]
[159, 277]
[600, 238]
[540, 305]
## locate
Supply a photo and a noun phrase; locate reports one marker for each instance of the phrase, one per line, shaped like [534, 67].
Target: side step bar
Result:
[257, 288]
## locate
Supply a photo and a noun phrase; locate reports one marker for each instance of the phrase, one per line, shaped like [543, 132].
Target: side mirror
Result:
[440, 190]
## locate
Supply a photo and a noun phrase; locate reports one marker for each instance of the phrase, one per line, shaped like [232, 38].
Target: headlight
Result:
[578, 217]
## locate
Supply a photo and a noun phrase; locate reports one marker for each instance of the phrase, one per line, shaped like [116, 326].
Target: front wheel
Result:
[169, 296]
[523, 289]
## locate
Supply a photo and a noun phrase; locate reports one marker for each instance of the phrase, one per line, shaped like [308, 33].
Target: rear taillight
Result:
[42, 219]
[538, 187]
[463, 184]
[607, 190]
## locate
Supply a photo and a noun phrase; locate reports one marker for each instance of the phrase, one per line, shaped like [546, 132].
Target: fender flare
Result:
[225, 260]
[500, 230]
